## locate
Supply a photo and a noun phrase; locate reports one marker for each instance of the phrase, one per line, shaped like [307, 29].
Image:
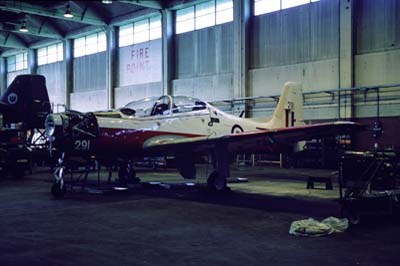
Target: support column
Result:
[167, 51]
[3, 75]
[32, 62]
[112, 45]
[241, 21]
[69, 73]
[346, 57]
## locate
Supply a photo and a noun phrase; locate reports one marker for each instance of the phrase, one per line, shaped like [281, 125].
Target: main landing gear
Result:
[216, 181]
[127, 174]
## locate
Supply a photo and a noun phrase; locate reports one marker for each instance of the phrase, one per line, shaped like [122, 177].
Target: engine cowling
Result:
[65, 128]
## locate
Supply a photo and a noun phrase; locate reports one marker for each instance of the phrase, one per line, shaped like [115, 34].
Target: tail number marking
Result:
[82, 145]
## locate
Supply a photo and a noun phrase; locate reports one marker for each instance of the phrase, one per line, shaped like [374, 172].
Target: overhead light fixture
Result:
[23, 27]
[68, 13]
[106, 1]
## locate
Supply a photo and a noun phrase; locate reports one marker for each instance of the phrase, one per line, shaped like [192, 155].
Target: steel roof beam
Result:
[35, 31]
[9, 40]
[146, 3]
[138, 15]
[87, 16]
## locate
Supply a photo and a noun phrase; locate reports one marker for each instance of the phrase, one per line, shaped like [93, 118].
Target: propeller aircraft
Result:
[183, 127]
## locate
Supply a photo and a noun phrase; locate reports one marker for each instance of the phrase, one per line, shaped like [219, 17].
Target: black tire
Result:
[57, 191]
[127, 173]
[122, 176]
[352, 215]
[216, 183]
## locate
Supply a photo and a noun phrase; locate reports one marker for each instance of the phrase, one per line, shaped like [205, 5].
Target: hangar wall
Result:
[11, 75]
[302, 44]
[55, 83]
[140, 72]
[297, 44]
[377, 53]
[89, 88]
[204, 63]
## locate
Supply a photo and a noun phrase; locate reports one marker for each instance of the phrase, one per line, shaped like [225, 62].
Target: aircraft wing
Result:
[274, 140]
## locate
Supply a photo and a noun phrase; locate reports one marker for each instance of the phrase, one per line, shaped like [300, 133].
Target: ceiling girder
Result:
[9, 40]
[146, 3]
[87, 16]
[36, 31]
[117, 21]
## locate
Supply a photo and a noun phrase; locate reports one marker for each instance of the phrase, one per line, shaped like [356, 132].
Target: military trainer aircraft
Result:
[183, 127]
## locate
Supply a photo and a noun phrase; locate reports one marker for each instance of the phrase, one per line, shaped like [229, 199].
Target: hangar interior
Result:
[345, 53]
[236, 54]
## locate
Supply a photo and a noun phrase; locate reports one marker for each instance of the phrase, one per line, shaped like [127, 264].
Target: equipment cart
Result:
[369, 183]
[15, 156]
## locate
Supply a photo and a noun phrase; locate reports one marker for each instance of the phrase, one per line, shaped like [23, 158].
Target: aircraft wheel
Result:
[58, 190]
[122, 176]
[127, 173]
[132, 176]
[352, 215]
[215, 182]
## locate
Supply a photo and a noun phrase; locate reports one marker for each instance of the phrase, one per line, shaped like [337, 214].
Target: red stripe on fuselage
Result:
[127, 141]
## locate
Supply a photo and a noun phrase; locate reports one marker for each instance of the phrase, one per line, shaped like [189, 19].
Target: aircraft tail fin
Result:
[289, 111]
[26, 100]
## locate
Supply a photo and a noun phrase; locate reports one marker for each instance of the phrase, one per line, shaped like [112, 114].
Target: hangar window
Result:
[224, 11]
[203, 15]
[90, 44]
[140, 31]
[50, 54]
[268, 6]
[17, 62]
[126, 35]
[155, 28]
[185, 20]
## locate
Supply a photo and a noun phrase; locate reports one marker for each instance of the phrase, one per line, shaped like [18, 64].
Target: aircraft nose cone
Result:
[50, 125]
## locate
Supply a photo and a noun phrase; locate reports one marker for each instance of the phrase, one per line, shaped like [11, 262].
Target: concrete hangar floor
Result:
[184, 225]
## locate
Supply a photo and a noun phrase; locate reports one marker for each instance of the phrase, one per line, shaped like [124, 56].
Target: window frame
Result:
[152, 30]
[43, 54]
[20, 62]
[266, 9]
[89, 48]
[195, 15]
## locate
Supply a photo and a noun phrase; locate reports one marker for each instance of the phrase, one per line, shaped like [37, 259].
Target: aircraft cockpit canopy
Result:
[164, 105]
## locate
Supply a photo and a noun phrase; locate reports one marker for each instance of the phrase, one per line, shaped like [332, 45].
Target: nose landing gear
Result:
[58, 189]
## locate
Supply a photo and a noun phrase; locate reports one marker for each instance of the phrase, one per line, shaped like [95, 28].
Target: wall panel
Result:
[204, 52]
[90, 72]
[208, 88]
[11, 75]
[131, 93]
[55, 82]
[89, 100]
[295, 35]
[140, 63]
[377, 24]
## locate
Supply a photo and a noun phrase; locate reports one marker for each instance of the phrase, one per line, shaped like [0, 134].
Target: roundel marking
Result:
[12, 98]
[236, 129]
